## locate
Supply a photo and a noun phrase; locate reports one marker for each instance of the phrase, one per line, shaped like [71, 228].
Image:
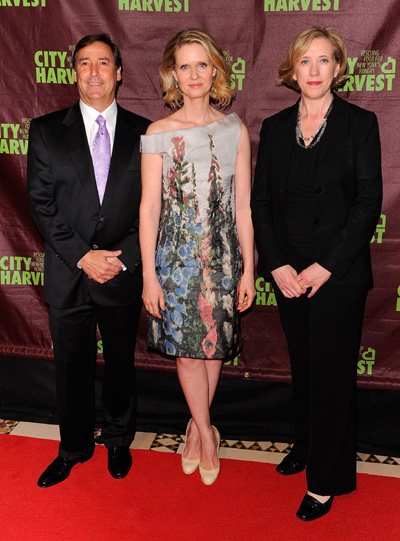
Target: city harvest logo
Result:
[366, 361]
[265, 293]
[19, 270]
[23, 3]
[55, 67]
[301, 5]
[14, 137]
[167, 6]
[398, 300]
[370, 72]
[380, 229]
[238, 71]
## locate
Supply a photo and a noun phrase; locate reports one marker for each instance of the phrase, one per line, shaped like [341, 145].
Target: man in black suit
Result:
[92, 257]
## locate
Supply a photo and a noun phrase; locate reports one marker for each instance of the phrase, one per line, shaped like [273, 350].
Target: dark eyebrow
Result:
[99, 58]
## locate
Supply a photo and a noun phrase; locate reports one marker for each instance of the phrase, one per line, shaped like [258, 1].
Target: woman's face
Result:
[193, 70]
[315, 70]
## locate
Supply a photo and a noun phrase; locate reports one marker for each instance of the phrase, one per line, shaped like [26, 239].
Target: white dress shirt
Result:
[90, 114]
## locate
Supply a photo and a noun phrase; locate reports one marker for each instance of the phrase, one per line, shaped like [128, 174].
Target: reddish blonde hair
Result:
[300, 44]
[221, 92]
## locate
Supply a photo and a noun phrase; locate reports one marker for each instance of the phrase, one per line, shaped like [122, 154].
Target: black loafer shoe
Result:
[56, 472]
[311, 509]
[119, 462]
[289, 467]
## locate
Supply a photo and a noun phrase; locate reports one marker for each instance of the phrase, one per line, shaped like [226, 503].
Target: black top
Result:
[299, 199]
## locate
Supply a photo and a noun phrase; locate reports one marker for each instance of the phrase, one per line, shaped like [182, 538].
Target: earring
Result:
[212, 85]
[176, 85]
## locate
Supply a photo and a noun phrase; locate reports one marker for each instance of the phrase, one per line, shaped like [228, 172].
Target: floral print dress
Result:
[198, 259]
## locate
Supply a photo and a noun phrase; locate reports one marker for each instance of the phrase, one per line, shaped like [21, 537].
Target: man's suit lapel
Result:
[125, 141]
[78, 148]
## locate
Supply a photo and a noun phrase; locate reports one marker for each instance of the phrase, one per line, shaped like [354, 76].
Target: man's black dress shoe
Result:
[289, 467]
[119, 461]
[56, 472]
[310, 508]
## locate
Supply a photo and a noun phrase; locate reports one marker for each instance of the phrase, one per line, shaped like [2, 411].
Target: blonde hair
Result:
[300, 45]
[221, 92]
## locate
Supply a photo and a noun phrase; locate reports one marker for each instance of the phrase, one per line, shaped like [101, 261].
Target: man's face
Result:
[96, 76]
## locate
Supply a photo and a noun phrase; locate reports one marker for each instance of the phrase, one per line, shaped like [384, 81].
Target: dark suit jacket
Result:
[66, 209]
[347, 193]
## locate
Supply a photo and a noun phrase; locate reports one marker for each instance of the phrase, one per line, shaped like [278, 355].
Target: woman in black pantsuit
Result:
[316, 201]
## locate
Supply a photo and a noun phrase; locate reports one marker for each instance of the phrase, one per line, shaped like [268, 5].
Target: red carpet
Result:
[158, 502]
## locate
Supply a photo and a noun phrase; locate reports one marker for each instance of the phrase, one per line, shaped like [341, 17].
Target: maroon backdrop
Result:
[36, 77]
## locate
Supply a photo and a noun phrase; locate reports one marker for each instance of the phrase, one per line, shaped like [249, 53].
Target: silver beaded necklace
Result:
[316, 136]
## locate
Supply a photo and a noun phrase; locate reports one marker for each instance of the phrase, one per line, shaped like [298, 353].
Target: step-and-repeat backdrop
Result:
[36, 77]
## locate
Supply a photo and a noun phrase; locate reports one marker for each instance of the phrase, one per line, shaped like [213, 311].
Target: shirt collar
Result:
[90, 114]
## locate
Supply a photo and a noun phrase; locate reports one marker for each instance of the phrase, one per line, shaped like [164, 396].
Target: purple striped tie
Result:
[101, 156]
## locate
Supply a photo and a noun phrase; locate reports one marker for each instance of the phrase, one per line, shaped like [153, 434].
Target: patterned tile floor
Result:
[254, 451]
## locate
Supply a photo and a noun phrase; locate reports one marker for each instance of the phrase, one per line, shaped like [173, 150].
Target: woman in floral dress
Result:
[196, 234]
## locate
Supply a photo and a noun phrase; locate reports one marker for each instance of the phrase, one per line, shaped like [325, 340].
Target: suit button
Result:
[317, 221]
[101, 219]
[95, 247]
[318, 189]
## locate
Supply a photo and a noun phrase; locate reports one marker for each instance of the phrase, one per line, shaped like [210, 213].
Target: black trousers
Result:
[323, 335]
[73, 333]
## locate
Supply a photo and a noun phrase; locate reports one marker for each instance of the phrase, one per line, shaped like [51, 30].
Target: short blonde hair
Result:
[299, 46]
[221, 92]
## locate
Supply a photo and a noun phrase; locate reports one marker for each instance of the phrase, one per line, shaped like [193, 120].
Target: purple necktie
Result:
[101, 155]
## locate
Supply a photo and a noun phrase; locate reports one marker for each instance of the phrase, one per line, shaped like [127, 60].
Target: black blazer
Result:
[65, 206]
[347, 193]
